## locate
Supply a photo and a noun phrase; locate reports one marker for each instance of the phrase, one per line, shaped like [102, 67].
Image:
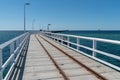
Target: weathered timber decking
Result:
[40, 67]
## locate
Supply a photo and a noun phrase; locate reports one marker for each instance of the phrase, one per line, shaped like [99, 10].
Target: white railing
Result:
[64, 38]
[16, 46]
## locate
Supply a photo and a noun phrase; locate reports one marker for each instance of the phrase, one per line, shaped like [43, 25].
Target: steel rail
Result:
[99, 76]
[55, 63]
[88, 38]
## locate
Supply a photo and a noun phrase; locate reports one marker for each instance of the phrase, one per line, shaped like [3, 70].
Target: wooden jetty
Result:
[48, 60]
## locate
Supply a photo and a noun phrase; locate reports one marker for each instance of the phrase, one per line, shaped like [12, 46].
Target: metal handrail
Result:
[88, 38]
[20, 42]
[60, 39]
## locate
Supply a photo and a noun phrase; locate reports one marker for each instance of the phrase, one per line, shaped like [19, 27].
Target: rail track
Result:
[66, 55]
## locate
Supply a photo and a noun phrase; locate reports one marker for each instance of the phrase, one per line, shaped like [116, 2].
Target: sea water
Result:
[7, 35]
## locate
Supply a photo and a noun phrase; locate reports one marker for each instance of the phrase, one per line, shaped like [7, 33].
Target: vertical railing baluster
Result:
[54, 37]
[94, 47]
[62, 39]
[51, 36]
[12, 49]
[17, 42]
[58, 38]
[78, 41]
[68, 39]
[1, 71]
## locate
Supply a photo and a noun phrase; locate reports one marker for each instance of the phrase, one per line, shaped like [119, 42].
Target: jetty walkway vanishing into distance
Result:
[42, 57]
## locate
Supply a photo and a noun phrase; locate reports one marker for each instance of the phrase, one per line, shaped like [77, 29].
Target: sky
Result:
[61, 14]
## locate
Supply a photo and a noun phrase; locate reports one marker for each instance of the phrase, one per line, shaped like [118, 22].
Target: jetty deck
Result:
[44, 61]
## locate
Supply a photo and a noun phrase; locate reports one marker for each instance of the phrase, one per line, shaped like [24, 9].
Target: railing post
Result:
[51, 36]
[17, 42]
[58, 38]
[1, 71]
[94, 47]
[68, 39]
[12, 49]
[78, 41]
[61, 39]
[54, 37]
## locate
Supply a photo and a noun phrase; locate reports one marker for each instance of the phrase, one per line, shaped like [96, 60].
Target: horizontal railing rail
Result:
[16, 45]
[65, 38]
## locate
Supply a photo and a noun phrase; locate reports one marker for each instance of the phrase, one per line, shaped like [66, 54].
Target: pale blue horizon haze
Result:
[61, 14]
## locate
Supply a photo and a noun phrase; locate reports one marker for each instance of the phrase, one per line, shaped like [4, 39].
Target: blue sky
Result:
[61, 14]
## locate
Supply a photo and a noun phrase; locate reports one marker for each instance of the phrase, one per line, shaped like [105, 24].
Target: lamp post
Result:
[48, 27]
[25, 16]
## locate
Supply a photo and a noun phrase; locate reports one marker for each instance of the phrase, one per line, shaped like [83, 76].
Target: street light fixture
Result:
[25, 16]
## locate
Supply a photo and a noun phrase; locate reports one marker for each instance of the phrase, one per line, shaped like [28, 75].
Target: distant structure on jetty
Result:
[55, 31]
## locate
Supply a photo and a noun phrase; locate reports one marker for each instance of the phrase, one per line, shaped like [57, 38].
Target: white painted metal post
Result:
[17, 42]
[68, 39]
[58, 38]
[78, 41]
[12, 49]
[94, 47]
[51, 36]
[1, 72]
[54, 37]
[62, 39]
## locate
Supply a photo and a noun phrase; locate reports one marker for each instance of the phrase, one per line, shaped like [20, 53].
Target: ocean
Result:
[7, 35]
[113, 35]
